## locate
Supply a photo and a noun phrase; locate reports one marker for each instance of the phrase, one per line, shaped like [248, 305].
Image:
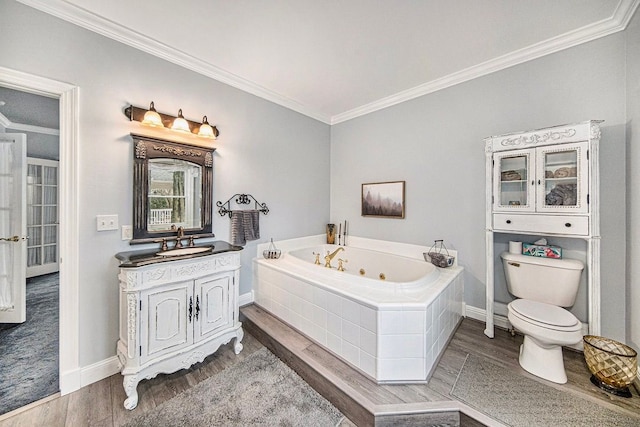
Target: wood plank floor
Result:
[469, 339]
[100, 404]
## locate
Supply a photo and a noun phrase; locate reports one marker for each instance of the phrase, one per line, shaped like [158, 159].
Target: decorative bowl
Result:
[613, 365]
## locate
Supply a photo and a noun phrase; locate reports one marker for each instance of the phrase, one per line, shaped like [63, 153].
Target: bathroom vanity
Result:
[545, 182]
[175, 310]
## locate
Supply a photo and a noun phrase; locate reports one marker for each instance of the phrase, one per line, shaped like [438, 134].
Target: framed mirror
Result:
[172, 187]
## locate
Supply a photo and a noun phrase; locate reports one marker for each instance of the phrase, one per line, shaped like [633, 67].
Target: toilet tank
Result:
[552, 281]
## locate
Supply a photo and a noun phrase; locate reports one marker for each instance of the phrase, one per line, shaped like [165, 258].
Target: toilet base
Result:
[542, 361]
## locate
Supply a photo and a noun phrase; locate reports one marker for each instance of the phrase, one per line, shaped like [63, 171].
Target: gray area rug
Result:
[257, 391]
[519, 401]
[29, 350]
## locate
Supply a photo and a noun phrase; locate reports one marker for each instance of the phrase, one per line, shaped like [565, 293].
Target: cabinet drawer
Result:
[557, 224]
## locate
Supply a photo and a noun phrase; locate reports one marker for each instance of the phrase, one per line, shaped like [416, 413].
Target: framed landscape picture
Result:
[383, 199]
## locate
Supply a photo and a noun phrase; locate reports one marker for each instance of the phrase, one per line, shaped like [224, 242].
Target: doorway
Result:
[29, 345]
[68, 95]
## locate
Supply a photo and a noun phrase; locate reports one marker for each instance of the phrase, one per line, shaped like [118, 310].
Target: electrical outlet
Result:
[106, 222]
[127, 232]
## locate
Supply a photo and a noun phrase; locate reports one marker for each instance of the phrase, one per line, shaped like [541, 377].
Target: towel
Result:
[244, 226]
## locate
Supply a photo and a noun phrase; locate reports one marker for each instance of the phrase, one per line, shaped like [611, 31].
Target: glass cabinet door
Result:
[562, 174]
[513, 181]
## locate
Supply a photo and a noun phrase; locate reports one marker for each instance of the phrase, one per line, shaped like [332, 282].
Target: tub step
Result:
[362, 400]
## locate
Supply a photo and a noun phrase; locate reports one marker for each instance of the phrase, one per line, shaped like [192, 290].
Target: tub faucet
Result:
[329, 257]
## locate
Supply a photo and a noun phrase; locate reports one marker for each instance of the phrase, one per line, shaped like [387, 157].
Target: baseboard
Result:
[98, 371]
[246, 299]
[70, 381]
[481, 315]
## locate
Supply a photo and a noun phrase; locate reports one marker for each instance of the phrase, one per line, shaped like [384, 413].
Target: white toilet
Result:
[544, 286]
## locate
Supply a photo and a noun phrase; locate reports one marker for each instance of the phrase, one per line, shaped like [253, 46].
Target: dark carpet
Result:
[257, 391]
[519, 401]
[29, 351]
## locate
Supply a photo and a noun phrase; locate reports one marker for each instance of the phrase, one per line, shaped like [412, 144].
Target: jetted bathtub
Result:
[390, 314]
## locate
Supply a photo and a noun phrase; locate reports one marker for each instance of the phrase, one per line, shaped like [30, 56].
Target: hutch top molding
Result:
[560, 134]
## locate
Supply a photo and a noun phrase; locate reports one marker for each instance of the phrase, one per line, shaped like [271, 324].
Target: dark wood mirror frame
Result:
[145, 148]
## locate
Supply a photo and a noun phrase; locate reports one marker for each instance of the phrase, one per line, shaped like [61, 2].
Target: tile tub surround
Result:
[391, 335]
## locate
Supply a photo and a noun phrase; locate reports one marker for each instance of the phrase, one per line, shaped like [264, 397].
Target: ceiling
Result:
[21, 109]
[337, 59]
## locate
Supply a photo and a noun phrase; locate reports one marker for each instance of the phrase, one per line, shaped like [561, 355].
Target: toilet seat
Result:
[545, 315]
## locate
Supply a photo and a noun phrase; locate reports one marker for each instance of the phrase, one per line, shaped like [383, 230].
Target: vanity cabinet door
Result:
[514, 181]
[562, 178]
[213, 308]
[166, 324]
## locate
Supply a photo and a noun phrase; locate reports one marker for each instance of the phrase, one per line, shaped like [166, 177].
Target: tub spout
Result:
[329, 257]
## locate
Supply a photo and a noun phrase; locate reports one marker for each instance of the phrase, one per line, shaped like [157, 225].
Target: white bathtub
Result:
[371, 268]
[393, 330]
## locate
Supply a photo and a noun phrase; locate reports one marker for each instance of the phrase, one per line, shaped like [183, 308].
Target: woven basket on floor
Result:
[611, 362]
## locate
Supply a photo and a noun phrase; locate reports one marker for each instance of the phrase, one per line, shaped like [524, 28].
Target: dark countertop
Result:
[130, 259]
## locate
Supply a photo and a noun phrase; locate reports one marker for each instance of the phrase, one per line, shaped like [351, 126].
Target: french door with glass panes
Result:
[42, 216]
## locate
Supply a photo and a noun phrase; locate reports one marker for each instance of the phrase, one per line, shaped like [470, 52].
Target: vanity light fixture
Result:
[152, 118]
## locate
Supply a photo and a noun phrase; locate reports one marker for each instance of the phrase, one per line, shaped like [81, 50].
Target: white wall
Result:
[633, 182]
[279, 156]
[435, 144]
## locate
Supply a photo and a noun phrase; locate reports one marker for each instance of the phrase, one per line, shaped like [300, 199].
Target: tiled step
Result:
[362, 400]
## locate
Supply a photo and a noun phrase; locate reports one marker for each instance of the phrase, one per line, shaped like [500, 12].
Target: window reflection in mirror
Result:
[174, 194]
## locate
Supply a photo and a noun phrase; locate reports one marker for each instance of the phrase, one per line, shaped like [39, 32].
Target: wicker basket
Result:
[610, 362]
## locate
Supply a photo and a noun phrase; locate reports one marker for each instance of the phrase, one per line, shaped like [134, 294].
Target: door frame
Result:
[68, 95]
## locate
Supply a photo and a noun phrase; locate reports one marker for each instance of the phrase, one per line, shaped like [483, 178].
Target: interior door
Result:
[42, 216]
[13, 228]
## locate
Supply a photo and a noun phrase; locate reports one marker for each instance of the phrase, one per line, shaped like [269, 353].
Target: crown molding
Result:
[83, 18]
[8, 124]
[4, 122]
[90, 21]
[617, 22]
[35, 129]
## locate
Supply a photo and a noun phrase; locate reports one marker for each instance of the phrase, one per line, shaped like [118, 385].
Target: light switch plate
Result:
[127, 232]
[106, 222]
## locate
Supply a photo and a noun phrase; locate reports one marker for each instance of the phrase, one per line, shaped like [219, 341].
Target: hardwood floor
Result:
[100, 404]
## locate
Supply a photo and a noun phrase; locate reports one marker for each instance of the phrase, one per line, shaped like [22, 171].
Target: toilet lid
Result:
[543, 313]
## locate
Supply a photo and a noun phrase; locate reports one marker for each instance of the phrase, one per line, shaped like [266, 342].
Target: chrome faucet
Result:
[329, 257]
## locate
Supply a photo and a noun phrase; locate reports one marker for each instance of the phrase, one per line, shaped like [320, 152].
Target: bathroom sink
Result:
[184, 251]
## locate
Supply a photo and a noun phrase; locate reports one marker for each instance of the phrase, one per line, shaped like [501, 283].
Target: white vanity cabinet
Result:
[174, 314]
[545, 182]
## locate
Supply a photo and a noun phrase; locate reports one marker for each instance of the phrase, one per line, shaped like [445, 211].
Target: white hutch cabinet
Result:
[545, 182]
[174, 314]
